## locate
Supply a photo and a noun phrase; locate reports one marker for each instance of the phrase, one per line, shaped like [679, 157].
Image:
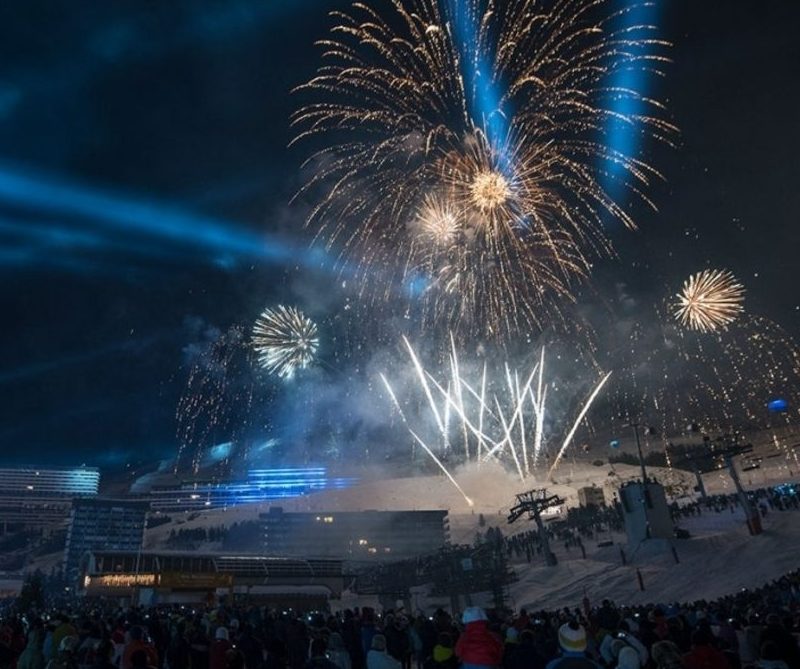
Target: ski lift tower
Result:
[534, 503]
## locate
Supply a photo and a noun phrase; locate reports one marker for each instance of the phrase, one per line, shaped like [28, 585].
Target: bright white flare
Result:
[505, 422]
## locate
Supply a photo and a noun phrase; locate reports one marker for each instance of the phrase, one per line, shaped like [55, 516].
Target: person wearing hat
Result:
[572, 641]
[477, 646]
[627, 658]
[378, 658]
[442, 655]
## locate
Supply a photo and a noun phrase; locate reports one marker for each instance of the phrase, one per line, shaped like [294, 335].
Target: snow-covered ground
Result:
[720, 557]
[490, 487]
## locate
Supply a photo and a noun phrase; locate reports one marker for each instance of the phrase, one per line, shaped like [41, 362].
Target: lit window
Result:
[328, 519]
[372, 549]
[362, 542]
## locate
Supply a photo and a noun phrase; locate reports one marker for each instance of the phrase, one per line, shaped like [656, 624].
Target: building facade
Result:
[182, 578]
[354, 535]
[591, 496]
[40, 498]
[103, 524]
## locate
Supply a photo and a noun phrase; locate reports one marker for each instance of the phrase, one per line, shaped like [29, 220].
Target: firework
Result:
[721, 380]
[472, 145]
[710, 300]
[437, 223]
[285, 340]
[502, 421]
[217, 404]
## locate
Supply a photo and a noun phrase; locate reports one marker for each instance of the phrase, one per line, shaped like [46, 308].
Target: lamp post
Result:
[635, 424]
[635, 427]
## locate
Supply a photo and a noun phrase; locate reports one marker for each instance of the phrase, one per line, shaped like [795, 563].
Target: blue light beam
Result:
[161, 222]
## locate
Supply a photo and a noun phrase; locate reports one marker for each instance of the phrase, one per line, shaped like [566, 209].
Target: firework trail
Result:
[424, 445]
[467, 150]
[285, 340]
[710, 300]
[581, 416]
[493, 418]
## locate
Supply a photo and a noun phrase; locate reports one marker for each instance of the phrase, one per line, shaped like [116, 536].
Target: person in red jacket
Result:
[138, 642]
[703, 654]
[477, 646]
[219, 648]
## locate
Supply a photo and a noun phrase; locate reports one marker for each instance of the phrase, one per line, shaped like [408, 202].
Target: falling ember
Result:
[710, 300]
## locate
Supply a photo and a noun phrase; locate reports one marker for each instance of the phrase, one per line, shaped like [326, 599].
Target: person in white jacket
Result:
[611, 645]
[378, 658]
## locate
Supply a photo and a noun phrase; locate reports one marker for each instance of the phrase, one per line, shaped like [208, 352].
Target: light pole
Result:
[635, 427]
[635, 424]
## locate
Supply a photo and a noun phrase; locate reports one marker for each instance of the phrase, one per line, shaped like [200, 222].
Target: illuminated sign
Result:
[175, 580]
[121, 580]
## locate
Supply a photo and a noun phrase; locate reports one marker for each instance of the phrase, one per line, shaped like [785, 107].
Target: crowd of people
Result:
[784, 497]
[752, 628]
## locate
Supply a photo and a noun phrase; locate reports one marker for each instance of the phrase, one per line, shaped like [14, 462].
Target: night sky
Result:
[145, 183]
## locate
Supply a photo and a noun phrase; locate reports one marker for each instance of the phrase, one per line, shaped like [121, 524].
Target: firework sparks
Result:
[710, 300]
[581, 416]
[720, 380]
[488, 127]
[216, 404]
[437, 222]
[285, 340]
[427, 449]
[497, 422]
[489, 191]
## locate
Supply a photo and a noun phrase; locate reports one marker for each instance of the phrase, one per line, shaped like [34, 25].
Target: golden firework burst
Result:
[710, 300]
[399, 110]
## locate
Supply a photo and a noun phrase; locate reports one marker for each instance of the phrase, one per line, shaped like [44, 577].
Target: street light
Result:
[635, 424]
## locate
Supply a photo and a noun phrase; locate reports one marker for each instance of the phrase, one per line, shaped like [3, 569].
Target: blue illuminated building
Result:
[260, 485]
[39, 498]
